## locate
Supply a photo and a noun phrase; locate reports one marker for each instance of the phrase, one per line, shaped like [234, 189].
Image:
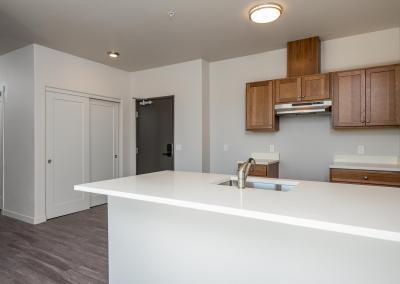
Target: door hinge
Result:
[137, 150]
[116, 156]
[137, 114]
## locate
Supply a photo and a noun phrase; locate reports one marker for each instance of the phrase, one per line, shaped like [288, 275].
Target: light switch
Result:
[226, 147]
[272, 148]
[178, 147]
[360, 149]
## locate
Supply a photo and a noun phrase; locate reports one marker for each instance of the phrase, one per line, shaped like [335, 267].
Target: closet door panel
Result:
[67, 151]
[104, 126]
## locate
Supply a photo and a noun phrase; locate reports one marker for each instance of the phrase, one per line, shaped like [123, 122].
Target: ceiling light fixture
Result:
[265, 13]
[113, 54]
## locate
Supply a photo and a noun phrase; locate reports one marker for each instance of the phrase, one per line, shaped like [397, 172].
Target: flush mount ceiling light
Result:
[265, 13]
[113, 54]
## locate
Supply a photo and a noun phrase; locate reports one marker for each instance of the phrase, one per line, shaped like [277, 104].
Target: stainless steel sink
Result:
[261, 185]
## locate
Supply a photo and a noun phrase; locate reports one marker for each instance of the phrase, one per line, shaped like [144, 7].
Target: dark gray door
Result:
[154, 135]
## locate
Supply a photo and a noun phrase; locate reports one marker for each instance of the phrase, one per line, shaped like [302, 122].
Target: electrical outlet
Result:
[272, 148]
[178, 147]
[360, 149]
[226, 147]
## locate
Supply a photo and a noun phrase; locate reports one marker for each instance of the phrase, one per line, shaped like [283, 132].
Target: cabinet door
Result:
[383, 96]
[384, 178]
[349, 99]
[257, 170]
[315, 87]
[260, 112]
[288, 90]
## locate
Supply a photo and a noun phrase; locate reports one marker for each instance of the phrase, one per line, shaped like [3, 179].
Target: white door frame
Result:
[50, 89]
[97, 97]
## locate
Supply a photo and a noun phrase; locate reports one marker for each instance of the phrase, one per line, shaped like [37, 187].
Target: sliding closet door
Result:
[1, 149]
[67, 151]
[104, 134]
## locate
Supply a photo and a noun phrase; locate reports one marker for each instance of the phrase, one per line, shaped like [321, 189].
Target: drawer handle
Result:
[365, 178]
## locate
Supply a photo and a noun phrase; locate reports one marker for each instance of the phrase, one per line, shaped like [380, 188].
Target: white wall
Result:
[206, 116]
[57, 69]
[307, 144]
[16, 73]
[185, 82]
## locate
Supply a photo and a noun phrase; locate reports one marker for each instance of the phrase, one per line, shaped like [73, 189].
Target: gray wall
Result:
[16, 73]
[307, 143]
[187, 83]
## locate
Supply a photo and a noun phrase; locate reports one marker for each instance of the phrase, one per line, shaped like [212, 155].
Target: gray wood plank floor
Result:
[68, 249]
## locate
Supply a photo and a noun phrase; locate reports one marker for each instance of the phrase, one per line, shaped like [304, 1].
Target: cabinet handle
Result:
[365, 178]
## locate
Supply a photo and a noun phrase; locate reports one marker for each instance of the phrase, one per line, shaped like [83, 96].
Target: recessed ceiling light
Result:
[171, 14]
[113, 54]
[265, 13]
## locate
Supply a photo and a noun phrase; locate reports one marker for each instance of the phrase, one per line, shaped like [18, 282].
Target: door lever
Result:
[169, 151]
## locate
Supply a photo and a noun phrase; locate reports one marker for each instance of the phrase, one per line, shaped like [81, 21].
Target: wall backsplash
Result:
[308, 143]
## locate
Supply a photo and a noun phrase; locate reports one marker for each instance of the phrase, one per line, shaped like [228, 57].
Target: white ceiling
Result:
[210, 29]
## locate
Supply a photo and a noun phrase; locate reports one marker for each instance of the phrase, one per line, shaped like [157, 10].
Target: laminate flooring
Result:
[68, 249]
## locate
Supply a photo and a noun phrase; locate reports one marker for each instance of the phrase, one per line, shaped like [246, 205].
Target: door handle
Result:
[169, 152]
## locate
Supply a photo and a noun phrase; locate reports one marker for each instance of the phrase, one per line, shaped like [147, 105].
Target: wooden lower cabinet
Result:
[259, 170]
[383, 178]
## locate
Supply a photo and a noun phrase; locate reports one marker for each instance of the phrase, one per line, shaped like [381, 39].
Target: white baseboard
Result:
[18, 216]
[38, 220]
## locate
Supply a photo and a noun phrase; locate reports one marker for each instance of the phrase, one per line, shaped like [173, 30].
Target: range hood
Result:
[304, 107]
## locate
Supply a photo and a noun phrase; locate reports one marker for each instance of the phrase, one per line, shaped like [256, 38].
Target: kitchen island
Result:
[182, 227]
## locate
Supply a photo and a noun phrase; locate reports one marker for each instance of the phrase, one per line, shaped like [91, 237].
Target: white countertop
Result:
[369, 211]
[263, 162]
[366, 166]
[264, 158]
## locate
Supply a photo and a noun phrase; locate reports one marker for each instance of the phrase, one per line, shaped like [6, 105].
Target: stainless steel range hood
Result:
[304, 107]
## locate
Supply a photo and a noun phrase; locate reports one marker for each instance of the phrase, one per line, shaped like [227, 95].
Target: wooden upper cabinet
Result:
[367, 98]
[349, 99]
[303, 57]
[260, 112]
[383, 96]
[315, 87]
[288, 90]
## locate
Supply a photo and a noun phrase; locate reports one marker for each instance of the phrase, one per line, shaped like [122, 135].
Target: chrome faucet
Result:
[243, 172]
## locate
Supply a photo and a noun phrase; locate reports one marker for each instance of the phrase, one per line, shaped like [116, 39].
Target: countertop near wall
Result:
[369, 163]
[264, 158]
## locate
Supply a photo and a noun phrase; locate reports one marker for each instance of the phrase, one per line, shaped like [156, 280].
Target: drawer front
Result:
[257, 170]
[366, 177]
